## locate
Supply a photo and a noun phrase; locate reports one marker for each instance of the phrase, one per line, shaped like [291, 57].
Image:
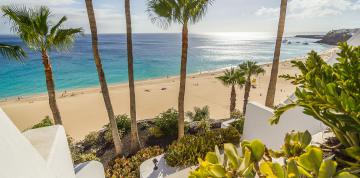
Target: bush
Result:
[129, 167]
[167, 122]
[330, 93]
[46, 122]
[123, 123]
[199, 114]
[188, 149]
[254, 161]
[91, 139]
[238, 124]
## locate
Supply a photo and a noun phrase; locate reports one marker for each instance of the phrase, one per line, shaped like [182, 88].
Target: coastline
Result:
[83, 109]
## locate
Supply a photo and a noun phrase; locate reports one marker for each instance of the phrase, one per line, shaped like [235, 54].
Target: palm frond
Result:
[165, 12]
[231, 77]
[12, 51]
[63, 39]
[35, 28]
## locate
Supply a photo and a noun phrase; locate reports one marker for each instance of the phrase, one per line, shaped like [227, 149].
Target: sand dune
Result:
[84, 111]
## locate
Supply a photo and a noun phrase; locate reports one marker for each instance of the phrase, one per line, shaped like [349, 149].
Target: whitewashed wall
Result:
[257, 125]
[18, 159]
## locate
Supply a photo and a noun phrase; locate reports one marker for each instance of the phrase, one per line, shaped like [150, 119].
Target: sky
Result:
[222, 16]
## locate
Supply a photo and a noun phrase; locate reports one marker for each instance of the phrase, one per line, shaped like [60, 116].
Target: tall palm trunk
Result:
[51, 87]
[247, 93]
[102, 80]
[181, 98]
[135, 142]
[275, 66]
[232, 99]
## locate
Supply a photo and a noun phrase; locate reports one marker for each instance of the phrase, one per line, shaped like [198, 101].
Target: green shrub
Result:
[167, 122]
[188, 149]
[199, 114]
[330, 93]
[123, 123]
[229, 135]
[254, 161]
[238, 124]
[129, 167]
[237, 114]
[91, 139]
[46, 122]
[156, 132]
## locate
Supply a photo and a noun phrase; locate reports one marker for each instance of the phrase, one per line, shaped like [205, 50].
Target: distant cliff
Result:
[333, 37]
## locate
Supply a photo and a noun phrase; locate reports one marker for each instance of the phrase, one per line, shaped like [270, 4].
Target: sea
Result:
[155, 56]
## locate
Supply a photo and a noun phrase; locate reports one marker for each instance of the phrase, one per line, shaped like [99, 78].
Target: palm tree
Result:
[270, 96]
[12, 51]
[135, 142]
[34, 27]
[232, 78]
[102, 79]
[248, 69]
[183, 12]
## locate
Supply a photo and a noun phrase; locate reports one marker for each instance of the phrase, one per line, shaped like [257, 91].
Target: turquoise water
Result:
[156, 55]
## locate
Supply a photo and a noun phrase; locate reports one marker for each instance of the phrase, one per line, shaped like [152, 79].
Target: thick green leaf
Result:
[327, 169]
[311, 160]
[212, 158]
[217, 170]
[345, 175]
[353, 152]
[257, 150]
[292, 170]
[232, 155]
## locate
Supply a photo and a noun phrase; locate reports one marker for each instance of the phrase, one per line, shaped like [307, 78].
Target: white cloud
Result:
[267, 11]
[313, 8]
[38, 2]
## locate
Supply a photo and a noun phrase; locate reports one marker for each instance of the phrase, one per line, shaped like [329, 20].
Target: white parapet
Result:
[91, 169]
[257, 125]
[39, 153]
[19, 159]
[52, 144]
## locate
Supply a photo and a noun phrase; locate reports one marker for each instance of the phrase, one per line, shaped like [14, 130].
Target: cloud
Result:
[313, 8]
[108, 17]
[38, 2]
[263, 11]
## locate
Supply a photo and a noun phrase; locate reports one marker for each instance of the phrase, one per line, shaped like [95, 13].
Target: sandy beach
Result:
[83, 110]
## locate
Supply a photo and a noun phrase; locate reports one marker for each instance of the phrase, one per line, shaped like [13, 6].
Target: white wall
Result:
[257, 125]
[18, 159]
[51, 143]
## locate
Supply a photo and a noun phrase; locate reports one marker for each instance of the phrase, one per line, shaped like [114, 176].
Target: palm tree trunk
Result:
[51, 88]
[232, 99]
[181, 98]
[102, 80]
[246, 94]
[135, 142]
[275, 66]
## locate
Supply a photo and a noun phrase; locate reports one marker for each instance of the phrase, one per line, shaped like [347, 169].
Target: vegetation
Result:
[12, 51]
[199, 114]
[232, 78]
[182, 12]
[256, 161]
[46, 122]
[248, 69]
[36, 30]
[202, 116]
[166, 123]
[188, 149]
[330, 93]
[102, 80]
[270, 96]
[129, 167]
